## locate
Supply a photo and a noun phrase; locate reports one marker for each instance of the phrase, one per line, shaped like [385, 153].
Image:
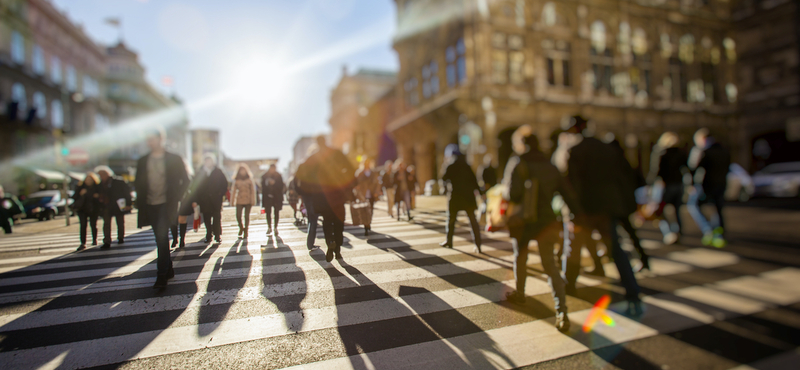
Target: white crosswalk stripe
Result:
[435, 307]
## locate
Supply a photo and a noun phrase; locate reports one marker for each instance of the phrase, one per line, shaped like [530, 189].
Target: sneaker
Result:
[161, 282]
[670, 238]
[477, 249]
[218, 240]
[329, 254]
[82, 247]
[313, 248]
[635, 309]
[707, 238]
[94, 242]
[562, 322]
[105, 246]
[120, 242]
[182, 244]
[446, 244]
[515, 297]
[275, 233]
[174, 244]
[718, 242]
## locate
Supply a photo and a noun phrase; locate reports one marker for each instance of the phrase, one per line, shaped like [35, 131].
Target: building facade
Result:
[350, 100]
[203, 142]
[473, 71]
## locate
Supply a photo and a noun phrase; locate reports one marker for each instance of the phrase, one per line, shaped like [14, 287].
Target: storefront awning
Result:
[77, 175]
[49, 175]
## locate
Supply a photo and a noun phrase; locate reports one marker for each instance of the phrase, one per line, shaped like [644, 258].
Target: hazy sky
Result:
[272, 62]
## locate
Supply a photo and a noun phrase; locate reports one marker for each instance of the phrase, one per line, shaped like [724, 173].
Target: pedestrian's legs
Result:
[390, 200]
[83, 219]
[247, 209]
[693, 205]
[239, 209]
[5, 223]
[161, 225]
[571, 254]
[93, 225]
[407, 201]
[519, 242]
[627, 278]
[718, 198]
[452, 214]
[313, 219]
[277, 213]
[120, 225]
[338, 225]
[626, 224]
[547, 240]
[268, 212]
[476, 228]
[207, 221]
[106, 227]
[218, 223]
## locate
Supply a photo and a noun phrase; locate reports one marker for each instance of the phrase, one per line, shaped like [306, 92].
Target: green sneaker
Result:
[718, 242]
[708, 238]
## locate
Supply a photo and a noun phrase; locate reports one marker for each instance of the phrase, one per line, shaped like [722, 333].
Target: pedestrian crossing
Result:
[396, 300]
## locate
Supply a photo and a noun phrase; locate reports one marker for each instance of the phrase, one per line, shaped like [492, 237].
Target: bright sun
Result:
[260, 81]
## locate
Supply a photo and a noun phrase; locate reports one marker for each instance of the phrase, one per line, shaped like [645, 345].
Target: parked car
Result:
[779, 180]
[740, 184]
[46, 205]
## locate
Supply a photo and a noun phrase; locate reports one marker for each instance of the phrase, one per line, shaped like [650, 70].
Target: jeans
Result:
[389, 199]
[333, 225]
[717, 198]
[86, 219]
[452, 214]
[313, 218]
[211, 218]
[161, 224]
[673, 195]
[109, 213]
[271, 210]
[608, 232]
[405, 198]
[547, 237]
[239, 209]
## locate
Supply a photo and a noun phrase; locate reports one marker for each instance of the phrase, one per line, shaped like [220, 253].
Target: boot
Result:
[562, 322]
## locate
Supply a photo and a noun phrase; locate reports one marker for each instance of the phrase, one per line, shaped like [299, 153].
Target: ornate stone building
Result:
[350, 100]
[471, 71]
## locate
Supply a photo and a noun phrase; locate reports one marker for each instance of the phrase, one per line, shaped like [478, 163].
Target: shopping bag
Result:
[361, 213]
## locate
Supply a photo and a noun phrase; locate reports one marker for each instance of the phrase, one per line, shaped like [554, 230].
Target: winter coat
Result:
[715, 161]
[88, 203]
[367, 184]
[601, 177]
[462, 185]
[177, 182]
[669, 165]
[111, 190]
[272, 189]
[244, 192]
[211, 189]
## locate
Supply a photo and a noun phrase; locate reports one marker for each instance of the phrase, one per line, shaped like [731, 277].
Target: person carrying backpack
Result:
[532, 182]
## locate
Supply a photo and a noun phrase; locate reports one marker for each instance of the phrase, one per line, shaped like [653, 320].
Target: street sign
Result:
[77, 156]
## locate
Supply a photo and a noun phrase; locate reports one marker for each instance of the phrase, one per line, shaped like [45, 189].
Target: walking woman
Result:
[367, 187]
[403, 186]
[272, 188]
[87, 205]
[243, 197]
[185, 210]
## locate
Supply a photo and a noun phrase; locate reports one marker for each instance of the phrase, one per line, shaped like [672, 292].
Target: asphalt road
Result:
[397, 300]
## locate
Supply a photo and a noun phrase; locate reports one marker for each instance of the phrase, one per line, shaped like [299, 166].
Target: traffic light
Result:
[64, 151]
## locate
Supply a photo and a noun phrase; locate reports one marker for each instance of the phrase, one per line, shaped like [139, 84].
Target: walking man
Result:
[310, 191]
[462, 187]
[115, 199]
[709, 162]
[211, 189]
[161, 182]
[272, 188]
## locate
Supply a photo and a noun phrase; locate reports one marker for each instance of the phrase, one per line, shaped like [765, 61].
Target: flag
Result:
[113, 21]
[167, 81]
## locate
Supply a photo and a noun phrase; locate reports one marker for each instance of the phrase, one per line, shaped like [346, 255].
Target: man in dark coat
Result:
[310, 191]
[272, 189]
[211, 188]
[161, 182]
[462, 187]
[487, 173]
[336, 180]
[9, 207]
[709, 162]
[111, 191]
[601, 176]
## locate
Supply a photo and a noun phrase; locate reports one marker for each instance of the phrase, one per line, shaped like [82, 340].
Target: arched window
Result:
[57, 114]
[38, 60]
[624, 38]
[598, 36]
[40, 103]
[18, 96]
[549, 14]
[666, 46]
[17, 47]
[55, 70]
[72, 78]
[639, 42]
[730, 49]
[686, 48]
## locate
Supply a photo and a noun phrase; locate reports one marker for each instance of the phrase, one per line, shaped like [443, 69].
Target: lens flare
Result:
[599, 314]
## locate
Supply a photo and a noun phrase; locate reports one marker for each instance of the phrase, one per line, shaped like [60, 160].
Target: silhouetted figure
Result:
[668, 165]
[336, 179]
[462, 188]
[709, 162]
[293, 198]
[310, 191]
[244, 197]
[532, 183]
[185, 210]
[487, 174]
[634, 181]
[600, 177]
[9, 207]
[367, 187]
[209, 194]
[403, 186]
[272, 189]
[161, 182]
[115, 198]
[87, 206]
[387, 182]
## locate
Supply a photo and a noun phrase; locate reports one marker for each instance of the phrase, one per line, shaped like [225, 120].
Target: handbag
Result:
[361, 213]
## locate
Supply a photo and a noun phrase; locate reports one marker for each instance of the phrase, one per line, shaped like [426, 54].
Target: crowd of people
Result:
[596, 184]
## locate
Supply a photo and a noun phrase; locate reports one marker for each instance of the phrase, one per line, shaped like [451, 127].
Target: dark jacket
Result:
[715, 161]
[10, 206]
[400, 177]
[88, 203]
[330, 173]
[462, 185]
[669, 165]
[177, 182]
[272, 189]
[367, 184]
[210, 190]
[110, 191]
[549, 181]
[488, 176]
[602, 178]
[387, 178]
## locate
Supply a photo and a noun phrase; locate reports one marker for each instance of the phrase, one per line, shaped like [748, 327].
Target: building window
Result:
[18, 96]
[38, 60]
[730, 49]
[557, 59]
[55, 70]
[90, 87]
[603, 68]
[639, 42]
[71, 77]
[57, 114]
[430, 79]
[17, 47]
[677, 73]
[598, 36]
[666, 46]
[686, 49]
[710, 88]
[549, 14]
[499, 40]
[410, 87]
[40, 104]
[565, 73]
[499, 64]
[516, 61]
[456, 64]
[624, 38]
